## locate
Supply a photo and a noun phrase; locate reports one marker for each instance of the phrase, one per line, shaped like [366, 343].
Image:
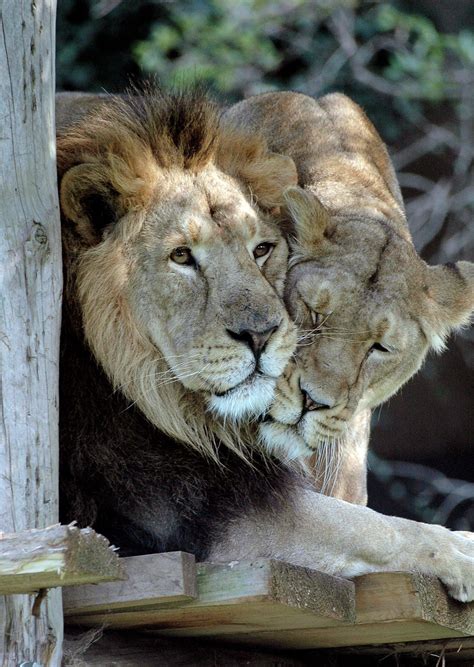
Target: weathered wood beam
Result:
[30, 302]
[56, 556]
[390, 607]
[234, 599]
[277, 605]
[150, 580]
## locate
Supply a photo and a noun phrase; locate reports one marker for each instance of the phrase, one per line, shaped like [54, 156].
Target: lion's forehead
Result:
[383, 268]
[205, 209]
[370, 307]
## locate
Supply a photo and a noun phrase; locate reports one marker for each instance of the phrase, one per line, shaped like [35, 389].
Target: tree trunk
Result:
[30, 292]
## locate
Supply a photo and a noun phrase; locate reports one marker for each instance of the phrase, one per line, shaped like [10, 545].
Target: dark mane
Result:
[177, 129]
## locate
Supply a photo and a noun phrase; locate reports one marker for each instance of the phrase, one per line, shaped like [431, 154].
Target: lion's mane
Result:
[121, 145]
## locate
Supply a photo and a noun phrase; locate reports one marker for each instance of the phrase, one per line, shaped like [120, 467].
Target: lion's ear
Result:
[450, 291]
[247, 157]
[89, 200]
[309, 215]
[268, 177]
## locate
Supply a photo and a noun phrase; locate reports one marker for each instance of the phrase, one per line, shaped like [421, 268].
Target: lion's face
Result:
[368, 309]
[206, 274]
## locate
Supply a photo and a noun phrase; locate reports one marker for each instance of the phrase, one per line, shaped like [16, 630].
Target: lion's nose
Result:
[310, 404]
[256, 340]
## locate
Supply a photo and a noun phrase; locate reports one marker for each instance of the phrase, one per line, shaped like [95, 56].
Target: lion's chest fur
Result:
[138, 487]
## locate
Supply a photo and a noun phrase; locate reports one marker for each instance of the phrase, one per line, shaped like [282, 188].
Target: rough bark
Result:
[30, 289]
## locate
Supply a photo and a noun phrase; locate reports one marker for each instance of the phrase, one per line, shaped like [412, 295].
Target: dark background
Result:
[411, 66]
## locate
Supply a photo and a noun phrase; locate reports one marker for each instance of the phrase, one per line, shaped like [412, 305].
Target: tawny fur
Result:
[141, 158]
[355, 279]
[145, 490]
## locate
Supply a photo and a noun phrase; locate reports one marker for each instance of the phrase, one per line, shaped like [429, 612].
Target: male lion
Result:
[165, 255]
[174, 278]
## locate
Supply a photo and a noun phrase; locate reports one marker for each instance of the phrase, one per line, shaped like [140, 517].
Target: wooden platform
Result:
[269, 604]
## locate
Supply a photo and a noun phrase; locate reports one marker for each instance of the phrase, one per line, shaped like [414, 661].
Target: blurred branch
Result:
[104, 7]
[434, 138]
[439, 201]
[342, 26]
[430, 495]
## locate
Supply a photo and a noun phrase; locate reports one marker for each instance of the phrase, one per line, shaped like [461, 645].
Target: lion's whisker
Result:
[154, 374]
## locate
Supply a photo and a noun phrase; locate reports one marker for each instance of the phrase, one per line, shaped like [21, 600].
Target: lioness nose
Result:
[256, 340]
[309, 404]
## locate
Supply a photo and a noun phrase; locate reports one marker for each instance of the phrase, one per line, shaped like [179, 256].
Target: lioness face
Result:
[368, 309]
[205, 285]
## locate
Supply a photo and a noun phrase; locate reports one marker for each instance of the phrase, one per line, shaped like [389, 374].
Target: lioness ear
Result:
[89, 200]
[451, 288]
[308, 214]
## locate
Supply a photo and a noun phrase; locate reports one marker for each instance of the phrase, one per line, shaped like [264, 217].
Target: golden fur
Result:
[137, 308]
[367, 306]
[140, 177]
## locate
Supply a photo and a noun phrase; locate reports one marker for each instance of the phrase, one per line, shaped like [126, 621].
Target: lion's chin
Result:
[282, 441]
[299, 440]
[250, 398]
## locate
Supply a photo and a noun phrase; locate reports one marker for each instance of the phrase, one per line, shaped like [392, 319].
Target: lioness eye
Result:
[378, 347]
[262, 250]
[182, 256]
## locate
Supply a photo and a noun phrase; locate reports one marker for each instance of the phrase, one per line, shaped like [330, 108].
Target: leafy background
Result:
[410, 64]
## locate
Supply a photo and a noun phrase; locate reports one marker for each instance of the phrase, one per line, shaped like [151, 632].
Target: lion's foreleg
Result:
[339, 538]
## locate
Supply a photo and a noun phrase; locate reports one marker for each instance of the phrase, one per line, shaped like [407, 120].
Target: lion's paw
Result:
[453, 560]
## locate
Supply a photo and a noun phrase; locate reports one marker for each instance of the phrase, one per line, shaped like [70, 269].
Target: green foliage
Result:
[233, 45]
[214, 42]
[94, 48]
[421, 64]
[256, 45]
[240, 48]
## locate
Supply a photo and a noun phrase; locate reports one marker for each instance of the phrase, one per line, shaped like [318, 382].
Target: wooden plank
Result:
[411, 596]
[273, 604]
[391, 607]
[238, 598]
[151, 580]
[56, 556]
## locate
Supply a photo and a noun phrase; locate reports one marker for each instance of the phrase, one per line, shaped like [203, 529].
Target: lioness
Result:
[166, 254]
[368, 307]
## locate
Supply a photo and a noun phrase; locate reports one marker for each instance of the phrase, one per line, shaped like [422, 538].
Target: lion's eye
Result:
[316, 318]
[183, 256]
[262, 250]
[377, 347]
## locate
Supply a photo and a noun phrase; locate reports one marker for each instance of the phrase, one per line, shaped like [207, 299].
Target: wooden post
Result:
[30, 291]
